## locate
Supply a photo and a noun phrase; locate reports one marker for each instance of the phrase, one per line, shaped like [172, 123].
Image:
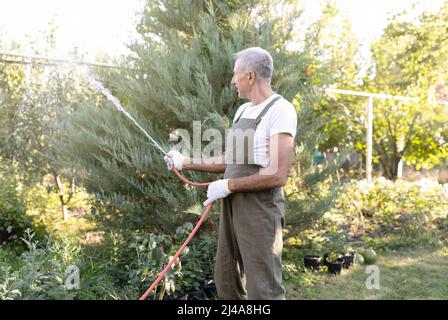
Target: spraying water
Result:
[98, 86]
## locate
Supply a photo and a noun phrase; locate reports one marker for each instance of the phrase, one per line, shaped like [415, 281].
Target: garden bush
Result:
[40, 271]
[382, 214]
[120, 269]
[13, 218]
[382, 207]
[138, 258]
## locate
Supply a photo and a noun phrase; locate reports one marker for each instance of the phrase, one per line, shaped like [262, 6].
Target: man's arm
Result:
[212, 165]
[281, 149]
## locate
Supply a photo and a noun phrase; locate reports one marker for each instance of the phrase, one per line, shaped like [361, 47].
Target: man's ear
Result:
[251, 76]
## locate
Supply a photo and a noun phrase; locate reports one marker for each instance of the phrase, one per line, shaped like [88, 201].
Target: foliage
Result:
[120, 269]
[138, 259]
[382, 207]
[13, 221]
[43, 207]
[334, 61]
[34, 97]
[382, 214]
[13, 217]
[410, 61]
[41, 274]
[11, 89]
[310, 191]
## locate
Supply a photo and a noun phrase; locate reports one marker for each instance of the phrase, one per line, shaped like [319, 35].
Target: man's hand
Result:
[217, 190]
[174, 159]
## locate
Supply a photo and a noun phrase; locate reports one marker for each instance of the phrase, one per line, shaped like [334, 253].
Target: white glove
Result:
[217, 190]
[174, 159]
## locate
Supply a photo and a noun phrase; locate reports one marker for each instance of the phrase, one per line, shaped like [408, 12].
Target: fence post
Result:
[369, 139]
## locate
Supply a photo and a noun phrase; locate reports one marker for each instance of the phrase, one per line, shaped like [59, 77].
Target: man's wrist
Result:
[185, 163]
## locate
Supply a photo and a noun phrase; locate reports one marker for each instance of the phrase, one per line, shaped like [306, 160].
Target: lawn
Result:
[417, 273]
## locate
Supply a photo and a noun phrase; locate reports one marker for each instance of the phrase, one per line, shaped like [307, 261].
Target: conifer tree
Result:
[179, 72]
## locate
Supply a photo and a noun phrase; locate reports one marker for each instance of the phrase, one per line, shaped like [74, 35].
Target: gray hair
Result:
[258, 60]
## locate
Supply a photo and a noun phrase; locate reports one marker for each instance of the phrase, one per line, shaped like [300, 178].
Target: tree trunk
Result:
[390, 165]
[61, 194]
[64, 212]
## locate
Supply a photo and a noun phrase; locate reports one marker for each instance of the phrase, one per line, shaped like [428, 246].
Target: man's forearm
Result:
[256, 182]
[212, 165]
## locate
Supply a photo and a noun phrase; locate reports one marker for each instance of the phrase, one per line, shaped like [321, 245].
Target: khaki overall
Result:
[250, 234]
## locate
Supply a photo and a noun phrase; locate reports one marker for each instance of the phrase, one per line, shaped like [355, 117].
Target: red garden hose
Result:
[193, 232]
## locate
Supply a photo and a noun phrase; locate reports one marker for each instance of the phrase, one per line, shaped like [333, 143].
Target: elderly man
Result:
[248, 259]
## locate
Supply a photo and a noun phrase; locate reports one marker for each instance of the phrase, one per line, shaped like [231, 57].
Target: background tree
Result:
[34, 97]
[335, 62]
[11, 88]
[409, 60]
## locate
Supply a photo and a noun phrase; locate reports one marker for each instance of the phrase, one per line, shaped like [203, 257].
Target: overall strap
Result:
[262, 113]
[237, 119]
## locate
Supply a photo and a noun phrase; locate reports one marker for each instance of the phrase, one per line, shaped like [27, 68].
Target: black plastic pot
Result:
[209, 290]
[178, 297]
[335, 267]
[312, 262]
[4, 236]
[181, 297]
[195, 295]
[349, 259]
[325, 262]
[206, 292]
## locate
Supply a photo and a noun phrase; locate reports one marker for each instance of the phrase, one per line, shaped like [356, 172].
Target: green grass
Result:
[418, 273]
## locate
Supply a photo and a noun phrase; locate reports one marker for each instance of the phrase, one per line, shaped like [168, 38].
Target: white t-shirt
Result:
[281, 117]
